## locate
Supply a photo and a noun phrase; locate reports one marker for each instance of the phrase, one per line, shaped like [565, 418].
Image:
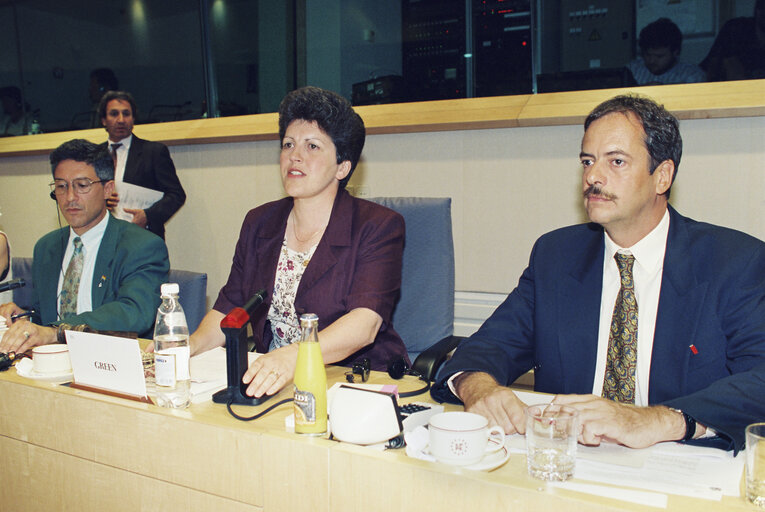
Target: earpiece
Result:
[52, 195]
[398, 368]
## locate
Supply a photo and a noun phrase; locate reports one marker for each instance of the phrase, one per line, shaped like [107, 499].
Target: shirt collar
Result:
[92, 237]
[648, 251]
[125, 142]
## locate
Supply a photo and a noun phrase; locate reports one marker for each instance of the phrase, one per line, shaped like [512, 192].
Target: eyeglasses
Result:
[79, 185]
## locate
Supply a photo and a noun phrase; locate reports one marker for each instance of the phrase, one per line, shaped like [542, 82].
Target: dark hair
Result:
[106, 78]
[335, 117]
[662, 131]
[116, 95]
[662, 33]
[12, 92]
[81, 150]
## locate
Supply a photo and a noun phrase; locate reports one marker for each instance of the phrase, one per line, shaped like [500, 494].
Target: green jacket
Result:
[131, 265]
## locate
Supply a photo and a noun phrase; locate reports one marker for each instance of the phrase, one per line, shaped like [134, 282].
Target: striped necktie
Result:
[71, 286]
[621, 360]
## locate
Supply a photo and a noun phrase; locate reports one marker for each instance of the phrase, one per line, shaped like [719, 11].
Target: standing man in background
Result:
[140, 162]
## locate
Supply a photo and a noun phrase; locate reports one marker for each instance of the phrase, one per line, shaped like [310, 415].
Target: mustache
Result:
[594, 190]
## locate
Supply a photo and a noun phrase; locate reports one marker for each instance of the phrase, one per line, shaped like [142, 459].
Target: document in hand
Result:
[134, 197]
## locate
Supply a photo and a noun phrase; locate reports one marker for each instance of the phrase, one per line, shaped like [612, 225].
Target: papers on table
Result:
[208, 373]
[666, 468]
[134, 197]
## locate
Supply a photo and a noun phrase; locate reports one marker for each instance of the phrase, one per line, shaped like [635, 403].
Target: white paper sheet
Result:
[134, 197]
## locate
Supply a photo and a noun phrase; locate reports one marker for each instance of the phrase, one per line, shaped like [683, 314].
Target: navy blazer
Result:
[130, 267]
[712, 297]
[357, 263]
[149, 165]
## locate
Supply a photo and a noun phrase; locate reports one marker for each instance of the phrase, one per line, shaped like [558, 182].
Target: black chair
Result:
[424, 314]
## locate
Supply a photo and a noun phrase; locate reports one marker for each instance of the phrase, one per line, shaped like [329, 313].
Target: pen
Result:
[22, 315]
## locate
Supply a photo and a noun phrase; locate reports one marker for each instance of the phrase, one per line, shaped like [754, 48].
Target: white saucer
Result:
[27, 371]
[491, 460]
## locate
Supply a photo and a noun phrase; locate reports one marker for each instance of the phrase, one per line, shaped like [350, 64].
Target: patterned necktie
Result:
[71, 286]
[114, 152]
[619, 382]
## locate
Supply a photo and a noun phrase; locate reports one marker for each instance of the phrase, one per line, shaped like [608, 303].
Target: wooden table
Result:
[67, 449]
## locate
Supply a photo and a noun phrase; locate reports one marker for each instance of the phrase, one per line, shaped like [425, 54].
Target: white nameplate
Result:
[107, 363]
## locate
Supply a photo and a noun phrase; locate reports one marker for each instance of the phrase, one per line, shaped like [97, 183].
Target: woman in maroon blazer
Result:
[320, 250]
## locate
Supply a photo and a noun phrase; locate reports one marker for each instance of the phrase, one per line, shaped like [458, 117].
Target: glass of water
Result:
[551, 432]
[755, 464]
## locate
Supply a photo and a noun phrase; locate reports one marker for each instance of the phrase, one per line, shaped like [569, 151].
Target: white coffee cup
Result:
[462, 438]
[51, 359]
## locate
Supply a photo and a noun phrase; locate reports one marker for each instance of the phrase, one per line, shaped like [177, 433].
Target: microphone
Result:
[12, 284]
[234, 328]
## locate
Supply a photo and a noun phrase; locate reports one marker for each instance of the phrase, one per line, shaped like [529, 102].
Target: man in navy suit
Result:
[699, 319]
[140, 162]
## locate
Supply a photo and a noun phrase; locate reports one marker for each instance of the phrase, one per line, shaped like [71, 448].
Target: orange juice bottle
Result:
[310, 381]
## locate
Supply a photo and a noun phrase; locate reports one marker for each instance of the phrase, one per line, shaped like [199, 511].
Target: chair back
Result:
[424, 313]
[22, 268]
[192, 293]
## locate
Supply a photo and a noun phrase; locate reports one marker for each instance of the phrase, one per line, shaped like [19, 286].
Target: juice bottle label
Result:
[305, 407]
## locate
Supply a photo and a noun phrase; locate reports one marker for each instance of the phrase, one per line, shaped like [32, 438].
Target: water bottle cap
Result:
[169, 289]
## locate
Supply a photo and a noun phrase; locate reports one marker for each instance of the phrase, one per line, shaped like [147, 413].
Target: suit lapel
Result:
[579, 311]
[102, 271]
[337, 234]
[134, 156]
[52, 268]
[678, 315]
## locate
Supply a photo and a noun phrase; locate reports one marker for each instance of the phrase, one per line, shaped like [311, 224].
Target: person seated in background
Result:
[319, 250]
[650, 324]
[102, 80]
[140, 162]
[659, 63]
[15, 121]
[99, 271]
[6, 272]
[738, 52]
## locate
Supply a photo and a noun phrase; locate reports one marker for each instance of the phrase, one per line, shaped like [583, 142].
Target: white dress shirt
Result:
[122, 154]
[91, 241]
[646, 273]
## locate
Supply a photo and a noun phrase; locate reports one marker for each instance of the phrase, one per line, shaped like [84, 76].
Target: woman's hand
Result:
[269, 373]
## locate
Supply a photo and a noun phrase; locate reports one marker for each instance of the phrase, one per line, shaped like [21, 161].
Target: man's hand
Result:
[482, 395]
[603, 420]
[139, 216]
[8, 309]
[112, 201]
[23, 335]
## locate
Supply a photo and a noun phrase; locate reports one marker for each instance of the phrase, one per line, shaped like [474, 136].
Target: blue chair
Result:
[22, 268]
[192, 295]
[424, 314]
[192, 287]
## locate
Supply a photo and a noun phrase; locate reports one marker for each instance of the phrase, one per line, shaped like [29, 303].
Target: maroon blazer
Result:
[356, 264]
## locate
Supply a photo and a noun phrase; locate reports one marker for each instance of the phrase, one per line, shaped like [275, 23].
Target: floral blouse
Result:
[285, 324]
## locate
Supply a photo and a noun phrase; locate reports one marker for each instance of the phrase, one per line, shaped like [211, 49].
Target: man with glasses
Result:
[99, 271]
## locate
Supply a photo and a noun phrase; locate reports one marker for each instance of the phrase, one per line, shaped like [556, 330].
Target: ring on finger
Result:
[26, 334]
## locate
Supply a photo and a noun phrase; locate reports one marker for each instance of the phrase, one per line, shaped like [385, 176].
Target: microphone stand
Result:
[234, 327]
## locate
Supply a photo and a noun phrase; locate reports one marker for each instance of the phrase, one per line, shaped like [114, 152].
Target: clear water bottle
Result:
[171, 351]
[310, 398]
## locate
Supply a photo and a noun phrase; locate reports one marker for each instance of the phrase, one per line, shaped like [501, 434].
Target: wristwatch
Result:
[690, 425]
